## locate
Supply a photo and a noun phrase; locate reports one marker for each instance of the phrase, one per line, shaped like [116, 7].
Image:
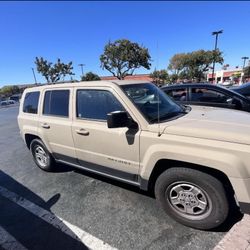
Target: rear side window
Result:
[56, 102]
[96, 104]
[30, 103]
[208, 95]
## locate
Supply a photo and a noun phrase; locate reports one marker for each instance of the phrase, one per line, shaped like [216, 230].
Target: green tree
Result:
[193, 65]
[177, 63]
[9, 90]
[90, 76]
[53, 72]
[160, 77]
[122, 57]
[173, 78]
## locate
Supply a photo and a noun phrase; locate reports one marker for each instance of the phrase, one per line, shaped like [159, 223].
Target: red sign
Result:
[210, 75]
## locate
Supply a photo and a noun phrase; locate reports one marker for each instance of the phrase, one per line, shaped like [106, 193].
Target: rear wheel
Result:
[41, 155]
[193, 198]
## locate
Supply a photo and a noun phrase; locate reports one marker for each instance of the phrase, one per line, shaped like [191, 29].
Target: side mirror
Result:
[119, 119]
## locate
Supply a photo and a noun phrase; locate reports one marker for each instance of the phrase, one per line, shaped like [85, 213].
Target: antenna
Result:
[158, 96]
[158, 118]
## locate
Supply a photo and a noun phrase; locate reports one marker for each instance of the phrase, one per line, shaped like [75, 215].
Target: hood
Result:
[212, 123]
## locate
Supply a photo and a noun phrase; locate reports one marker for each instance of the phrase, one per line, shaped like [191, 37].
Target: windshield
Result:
[150, 101]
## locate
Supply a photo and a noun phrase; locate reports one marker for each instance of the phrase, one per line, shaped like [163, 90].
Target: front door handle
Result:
[45, 125]
[82, 131]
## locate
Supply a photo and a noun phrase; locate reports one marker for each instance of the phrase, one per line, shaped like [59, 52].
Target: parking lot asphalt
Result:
[72, 209]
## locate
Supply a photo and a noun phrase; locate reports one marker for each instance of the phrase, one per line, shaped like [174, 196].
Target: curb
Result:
[238, 238]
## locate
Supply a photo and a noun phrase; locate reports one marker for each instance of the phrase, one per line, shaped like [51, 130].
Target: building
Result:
[139, 77]
[226, 76]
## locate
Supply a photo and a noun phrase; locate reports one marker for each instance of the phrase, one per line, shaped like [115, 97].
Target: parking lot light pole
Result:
[81, 65]
[216, 34]
[244, 58]
[34, 75]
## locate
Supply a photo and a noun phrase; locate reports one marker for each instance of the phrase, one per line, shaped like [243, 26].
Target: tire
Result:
[41, 155]
[193, 198]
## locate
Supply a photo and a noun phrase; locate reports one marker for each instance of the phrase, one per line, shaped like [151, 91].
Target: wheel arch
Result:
[165, 164]
[29, 138]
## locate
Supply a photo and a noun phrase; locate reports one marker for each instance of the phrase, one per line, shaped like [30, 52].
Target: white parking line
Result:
[75, 232]
[7, 241]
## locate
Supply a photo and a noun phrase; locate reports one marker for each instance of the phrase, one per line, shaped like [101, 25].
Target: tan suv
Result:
[195, 159]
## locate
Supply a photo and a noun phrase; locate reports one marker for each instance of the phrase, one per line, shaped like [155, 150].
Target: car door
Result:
[210, 97]
[112, 151]
[55, 122]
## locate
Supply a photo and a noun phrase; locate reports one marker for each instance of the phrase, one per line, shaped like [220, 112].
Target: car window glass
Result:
[208, 95]
[178, 94]
[56, 102]
[96, 104]
[31, 102]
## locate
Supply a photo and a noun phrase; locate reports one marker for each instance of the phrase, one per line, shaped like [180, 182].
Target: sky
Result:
[78, 32]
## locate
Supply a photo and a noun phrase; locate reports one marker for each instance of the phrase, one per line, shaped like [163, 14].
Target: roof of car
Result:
[184, 85]
[86, 84]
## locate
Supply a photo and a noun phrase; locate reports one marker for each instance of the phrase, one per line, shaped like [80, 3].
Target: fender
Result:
[226, 162]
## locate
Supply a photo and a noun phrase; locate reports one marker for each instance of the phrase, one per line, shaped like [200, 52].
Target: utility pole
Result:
[244, 58]
[81, 65]
[34, 75]
[216, 34]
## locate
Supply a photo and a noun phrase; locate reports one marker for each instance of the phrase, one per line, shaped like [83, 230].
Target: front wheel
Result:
[193, 198]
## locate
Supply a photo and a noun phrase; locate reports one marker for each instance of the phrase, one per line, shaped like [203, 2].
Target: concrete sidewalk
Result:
[238, 238]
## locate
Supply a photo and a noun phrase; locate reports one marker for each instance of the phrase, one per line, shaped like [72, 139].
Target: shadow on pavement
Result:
[28, 228]
[234, 216]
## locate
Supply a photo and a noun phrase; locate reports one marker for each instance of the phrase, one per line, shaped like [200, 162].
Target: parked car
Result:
[3, 103]
[11, 102]
[243, 89]
[207, 95]
[7, 102]
[196, 160]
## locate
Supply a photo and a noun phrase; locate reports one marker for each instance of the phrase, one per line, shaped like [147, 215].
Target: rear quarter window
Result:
[30, 103]
[208, 95]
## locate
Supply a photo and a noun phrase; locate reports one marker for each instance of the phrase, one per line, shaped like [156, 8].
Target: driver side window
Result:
[96, 104]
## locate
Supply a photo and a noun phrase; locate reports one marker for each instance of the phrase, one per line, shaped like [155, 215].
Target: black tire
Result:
[177, 190]
[47, 161]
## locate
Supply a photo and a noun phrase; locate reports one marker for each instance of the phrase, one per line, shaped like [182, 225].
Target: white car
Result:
[7, 102]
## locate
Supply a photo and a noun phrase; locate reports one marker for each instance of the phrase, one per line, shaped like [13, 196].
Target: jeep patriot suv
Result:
[195, 159]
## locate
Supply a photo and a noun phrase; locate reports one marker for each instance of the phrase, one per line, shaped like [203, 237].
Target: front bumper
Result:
[244, 207]
[242, 192]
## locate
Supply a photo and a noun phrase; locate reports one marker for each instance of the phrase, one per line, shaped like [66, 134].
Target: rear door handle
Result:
[82, 131]
[45, 125]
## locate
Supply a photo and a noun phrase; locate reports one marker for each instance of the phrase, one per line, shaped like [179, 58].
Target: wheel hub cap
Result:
[41, 156]
[189, 200]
